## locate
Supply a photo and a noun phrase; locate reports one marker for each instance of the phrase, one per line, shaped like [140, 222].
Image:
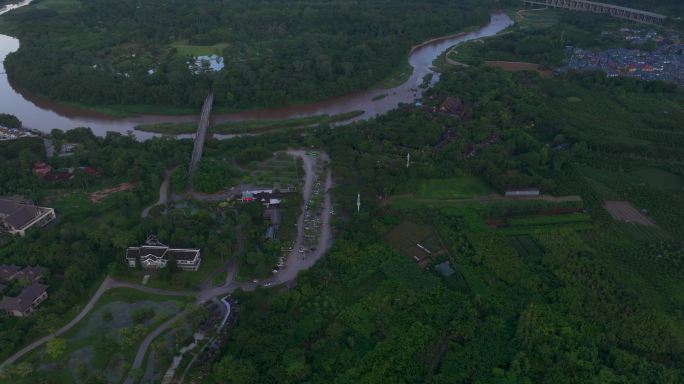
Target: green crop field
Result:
[525, 246]
[646, 233]
[453, 188]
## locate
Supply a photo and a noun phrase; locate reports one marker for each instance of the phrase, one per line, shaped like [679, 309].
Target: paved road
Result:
[294, 263]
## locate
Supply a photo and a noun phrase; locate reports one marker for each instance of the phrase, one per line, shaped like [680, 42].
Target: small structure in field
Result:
[524, 192]
[16, 217]
[155, 255]
[445, 269]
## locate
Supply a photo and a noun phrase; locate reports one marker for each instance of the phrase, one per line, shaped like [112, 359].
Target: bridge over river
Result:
[609, 9]
[201, 135]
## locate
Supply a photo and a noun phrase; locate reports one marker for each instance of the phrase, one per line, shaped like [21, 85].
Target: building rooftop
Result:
[25, 298]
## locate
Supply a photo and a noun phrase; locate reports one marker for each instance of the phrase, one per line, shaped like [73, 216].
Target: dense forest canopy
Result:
[595, 305]
[275, 52]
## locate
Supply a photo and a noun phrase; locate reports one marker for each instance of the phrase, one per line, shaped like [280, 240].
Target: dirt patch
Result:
[100, 195]
[515, 66]
[624, 211]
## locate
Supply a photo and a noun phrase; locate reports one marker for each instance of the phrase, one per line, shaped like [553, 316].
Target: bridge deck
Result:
[610, 9]
[201, 135]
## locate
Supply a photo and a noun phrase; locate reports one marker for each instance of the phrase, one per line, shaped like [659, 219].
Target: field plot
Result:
[419, 242]
[625, 212]
[453, 188]
[525, 246]
[646, 233]
[280, 171]
[524, 224]
[514, 66]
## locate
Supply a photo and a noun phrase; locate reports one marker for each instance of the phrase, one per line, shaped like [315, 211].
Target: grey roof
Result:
[31, 273]
[22, 216]
[132, 252]
[7, 206]
[25, 298]
[8, 271]
[160, 251]
[182, 254]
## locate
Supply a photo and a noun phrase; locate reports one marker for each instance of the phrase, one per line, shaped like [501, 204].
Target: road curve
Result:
[106, 284]
[163, 193]
[142, 350]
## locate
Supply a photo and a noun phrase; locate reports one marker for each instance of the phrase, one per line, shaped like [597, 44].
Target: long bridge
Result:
[201, 135]
[636, 15]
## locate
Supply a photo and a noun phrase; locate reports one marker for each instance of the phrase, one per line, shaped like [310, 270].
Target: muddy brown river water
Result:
[44, 115]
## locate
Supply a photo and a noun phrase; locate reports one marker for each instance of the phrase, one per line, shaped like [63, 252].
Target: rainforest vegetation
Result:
[134, 52]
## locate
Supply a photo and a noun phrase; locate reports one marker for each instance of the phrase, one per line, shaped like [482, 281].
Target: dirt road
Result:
[163, 193]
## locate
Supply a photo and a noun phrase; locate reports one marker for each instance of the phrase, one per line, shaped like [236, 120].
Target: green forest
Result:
[135, 52]
[439, 278]
[562, 303]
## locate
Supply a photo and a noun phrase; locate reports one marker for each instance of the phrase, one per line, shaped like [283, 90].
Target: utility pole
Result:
[408, 160]
[358, 203]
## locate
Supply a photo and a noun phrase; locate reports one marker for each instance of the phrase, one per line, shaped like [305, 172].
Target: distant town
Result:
[665, 62]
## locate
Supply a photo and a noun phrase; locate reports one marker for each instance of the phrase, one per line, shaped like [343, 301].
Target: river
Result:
[44, 115]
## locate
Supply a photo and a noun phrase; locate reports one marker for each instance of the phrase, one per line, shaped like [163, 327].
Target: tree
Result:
[235, 371]
[56, 348]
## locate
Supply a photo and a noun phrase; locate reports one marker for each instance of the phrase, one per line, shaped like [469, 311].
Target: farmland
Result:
[453, 188]
[417, 242]
[525, 246]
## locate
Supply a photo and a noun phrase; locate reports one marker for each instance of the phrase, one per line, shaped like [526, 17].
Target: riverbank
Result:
[256, 126]
[43, 114]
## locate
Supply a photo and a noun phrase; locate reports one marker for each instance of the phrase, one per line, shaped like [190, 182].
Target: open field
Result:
[625, 212]
[280, 171]
[515, 66]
